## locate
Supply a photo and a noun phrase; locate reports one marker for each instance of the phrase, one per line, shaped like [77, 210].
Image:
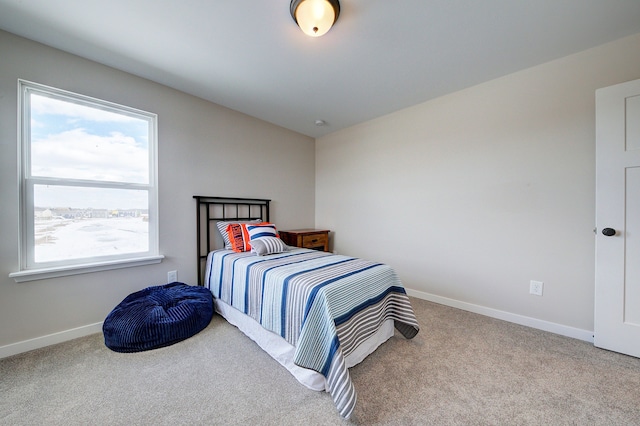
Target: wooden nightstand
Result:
[317, 239]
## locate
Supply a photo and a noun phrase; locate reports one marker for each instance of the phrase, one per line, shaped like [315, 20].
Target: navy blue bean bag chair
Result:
[157, 316]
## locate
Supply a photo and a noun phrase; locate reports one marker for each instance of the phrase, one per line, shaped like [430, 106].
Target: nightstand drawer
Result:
[317, 239]
[314, 240]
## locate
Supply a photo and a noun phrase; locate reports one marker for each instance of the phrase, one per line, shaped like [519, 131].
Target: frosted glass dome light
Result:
[315, 17]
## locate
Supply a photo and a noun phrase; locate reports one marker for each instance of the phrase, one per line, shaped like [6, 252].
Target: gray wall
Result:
[468, 196]
[204, 149]
[472, 195]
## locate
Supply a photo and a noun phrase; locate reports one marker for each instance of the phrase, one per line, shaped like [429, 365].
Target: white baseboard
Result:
[576, 333]
[551, 327]
[50, 339]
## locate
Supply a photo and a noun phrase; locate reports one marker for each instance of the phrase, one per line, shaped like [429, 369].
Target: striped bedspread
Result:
[324, 305]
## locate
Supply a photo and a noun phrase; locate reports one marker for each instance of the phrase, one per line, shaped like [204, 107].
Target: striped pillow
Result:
[223, 227]
[241, 234]
[251, 232]
[264, 229]
[268, 245]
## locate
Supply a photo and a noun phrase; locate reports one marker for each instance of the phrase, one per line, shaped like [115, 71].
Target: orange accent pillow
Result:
[234, 231]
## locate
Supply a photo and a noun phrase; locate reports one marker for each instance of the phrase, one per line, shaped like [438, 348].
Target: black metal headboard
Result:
[210, 210]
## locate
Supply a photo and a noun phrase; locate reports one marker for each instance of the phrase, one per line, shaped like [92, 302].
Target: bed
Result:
[316, 313]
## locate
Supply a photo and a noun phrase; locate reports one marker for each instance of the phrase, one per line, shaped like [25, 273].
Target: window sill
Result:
[63, 271]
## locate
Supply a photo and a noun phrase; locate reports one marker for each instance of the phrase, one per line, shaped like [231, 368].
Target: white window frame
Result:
[29, 269]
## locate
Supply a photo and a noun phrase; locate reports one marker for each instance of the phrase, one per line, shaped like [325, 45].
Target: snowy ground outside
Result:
[59, 239]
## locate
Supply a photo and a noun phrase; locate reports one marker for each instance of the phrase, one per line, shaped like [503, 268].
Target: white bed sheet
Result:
[282, 351]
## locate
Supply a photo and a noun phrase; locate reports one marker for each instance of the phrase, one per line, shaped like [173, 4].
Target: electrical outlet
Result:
[535, 287]
[172, 276]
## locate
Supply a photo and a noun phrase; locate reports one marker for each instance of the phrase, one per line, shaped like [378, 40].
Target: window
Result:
[88, 193]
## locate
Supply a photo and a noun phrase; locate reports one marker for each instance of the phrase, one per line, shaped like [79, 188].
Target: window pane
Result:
[78, 222]
[75, 141]
[88, 184]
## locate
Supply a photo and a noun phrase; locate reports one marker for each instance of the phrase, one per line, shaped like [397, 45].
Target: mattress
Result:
[283, 352]
[324, 306]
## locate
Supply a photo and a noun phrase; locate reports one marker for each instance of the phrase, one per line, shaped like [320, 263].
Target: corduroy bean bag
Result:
[157, 316]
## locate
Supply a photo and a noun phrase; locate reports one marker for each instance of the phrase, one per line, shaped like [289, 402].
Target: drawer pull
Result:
[314, 241]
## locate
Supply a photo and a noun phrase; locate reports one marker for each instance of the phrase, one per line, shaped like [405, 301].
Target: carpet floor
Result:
[461, 369]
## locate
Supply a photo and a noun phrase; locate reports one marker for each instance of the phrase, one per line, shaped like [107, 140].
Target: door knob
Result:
[609, 232]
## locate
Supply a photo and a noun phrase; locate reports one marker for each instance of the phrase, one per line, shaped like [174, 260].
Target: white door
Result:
[617, 298]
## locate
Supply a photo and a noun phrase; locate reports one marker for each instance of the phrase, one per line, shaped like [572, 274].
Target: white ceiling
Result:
[381, 56]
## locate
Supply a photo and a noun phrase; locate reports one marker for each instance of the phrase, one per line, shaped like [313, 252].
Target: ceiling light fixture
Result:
[315, 17]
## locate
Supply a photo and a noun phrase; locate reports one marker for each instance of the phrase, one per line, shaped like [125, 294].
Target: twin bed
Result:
[316, 313]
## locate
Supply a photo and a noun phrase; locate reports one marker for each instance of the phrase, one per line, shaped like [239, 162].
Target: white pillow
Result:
[263, 246]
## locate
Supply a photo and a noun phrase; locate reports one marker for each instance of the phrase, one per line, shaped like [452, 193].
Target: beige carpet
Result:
[461, 369]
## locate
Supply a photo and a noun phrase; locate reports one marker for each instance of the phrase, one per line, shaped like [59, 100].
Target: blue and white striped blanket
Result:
[324, 305]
